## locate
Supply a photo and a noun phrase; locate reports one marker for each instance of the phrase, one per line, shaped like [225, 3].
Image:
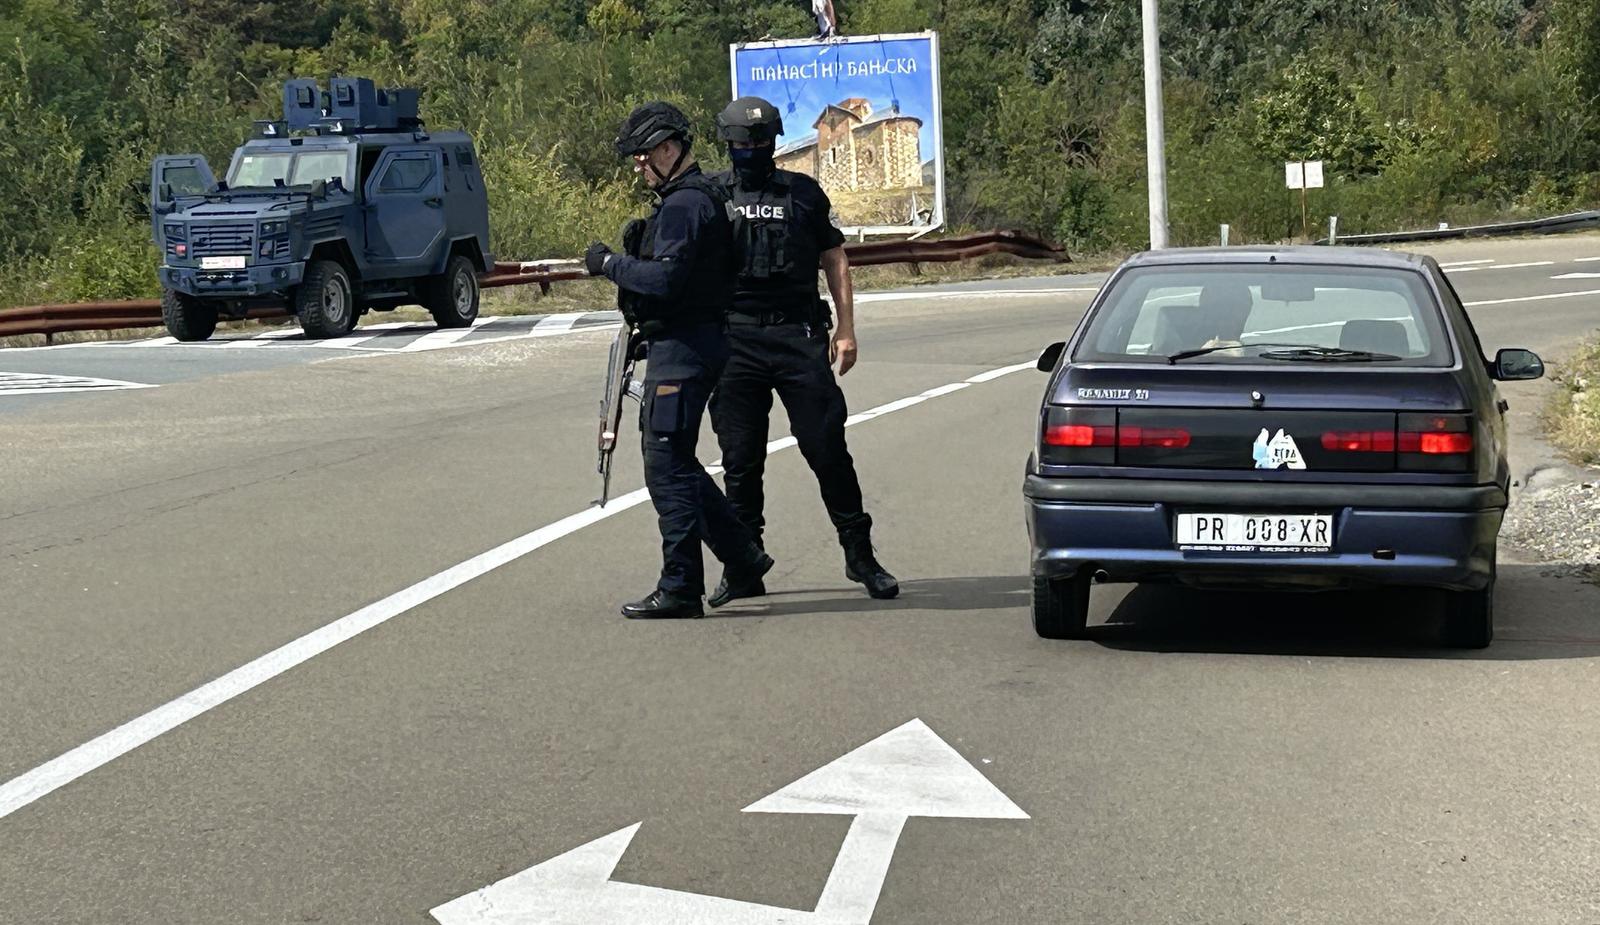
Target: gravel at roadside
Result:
[1559, 524]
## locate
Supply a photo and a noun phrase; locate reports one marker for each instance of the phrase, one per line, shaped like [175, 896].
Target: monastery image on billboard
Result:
[861, 115]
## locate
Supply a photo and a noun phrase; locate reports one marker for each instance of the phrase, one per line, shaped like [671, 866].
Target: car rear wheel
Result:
[324, 301]
[452, 297]
[1469, 618]
[186, 317]
[1061, 606]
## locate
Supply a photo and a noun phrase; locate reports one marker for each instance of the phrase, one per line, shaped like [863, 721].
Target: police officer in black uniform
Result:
[677, 287]
[778, 339]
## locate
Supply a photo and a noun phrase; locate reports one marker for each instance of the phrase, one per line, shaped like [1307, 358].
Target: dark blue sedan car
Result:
[1287, 418]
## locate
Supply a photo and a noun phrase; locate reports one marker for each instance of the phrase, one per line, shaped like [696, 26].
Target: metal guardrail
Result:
[146, 313]
[1557, 224]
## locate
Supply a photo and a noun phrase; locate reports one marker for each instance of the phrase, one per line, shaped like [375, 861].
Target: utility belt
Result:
[819, 317]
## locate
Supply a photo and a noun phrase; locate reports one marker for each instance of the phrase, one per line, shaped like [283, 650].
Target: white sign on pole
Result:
[1302, 174]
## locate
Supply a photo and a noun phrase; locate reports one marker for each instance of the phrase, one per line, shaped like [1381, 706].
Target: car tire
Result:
[1469, 618]
[324, 301]
[186, 317]
[1061, 606]
[452, 297]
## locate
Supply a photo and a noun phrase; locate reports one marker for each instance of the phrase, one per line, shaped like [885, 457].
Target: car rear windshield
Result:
[1267, 313]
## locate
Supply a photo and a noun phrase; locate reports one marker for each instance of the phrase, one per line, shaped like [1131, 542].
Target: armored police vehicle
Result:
[346, 205]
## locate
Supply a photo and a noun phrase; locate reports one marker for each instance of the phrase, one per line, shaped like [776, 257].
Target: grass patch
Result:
[1572, 417]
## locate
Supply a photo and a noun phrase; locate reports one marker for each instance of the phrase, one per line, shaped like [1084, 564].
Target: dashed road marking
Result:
[1463, 263]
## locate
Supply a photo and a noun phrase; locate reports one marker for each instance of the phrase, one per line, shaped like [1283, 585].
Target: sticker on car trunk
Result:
[1277, 453]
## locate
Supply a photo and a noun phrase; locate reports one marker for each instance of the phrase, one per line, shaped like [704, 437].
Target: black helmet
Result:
[650, 125]
[750, 120]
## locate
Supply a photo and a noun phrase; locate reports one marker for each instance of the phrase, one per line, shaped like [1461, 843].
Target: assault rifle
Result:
[619, 384]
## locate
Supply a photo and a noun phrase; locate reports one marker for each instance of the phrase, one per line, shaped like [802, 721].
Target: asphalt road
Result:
[1204, 758]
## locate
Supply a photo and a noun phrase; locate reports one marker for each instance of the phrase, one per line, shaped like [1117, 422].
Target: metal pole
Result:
[1155, 126]
[1305, 221]
[1333, 229]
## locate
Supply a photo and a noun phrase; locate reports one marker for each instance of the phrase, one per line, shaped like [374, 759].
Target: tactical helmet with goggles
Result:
[750, 120]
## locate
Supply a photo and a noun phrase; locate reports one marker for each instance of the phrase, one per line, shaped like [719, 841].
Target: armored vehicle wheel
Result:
[1061, 606]
[186, 317]
[324, 301]
[452, 296]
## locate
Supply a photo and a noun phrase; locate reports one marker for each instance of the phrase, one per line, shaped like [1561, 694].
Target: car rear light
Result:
[1436, 442]
[1171, 438]
[182, 250]
[1091, 436]
[1358, 441]
[1079, 435]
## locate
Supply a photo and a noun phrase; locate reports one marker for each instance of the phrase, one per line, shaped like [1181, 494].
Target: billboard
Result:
[861, 114]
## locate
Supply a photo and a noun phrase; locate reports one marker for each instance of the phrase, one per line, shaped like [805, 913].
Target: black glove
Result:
[594, 259]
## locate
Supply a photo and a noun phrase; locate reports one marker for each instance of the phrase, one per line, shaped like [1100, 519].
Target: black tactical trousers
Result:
[680, 372]
[792, 360]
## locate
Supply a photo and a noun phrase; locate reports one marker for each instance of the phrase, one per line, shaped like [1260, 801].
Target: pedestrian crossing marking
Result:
[13, 384]
[403, 336]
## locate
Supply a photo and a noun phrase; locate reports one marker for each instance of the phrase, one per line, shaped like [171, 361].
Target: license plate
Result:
[222, 263]
[1256, 532]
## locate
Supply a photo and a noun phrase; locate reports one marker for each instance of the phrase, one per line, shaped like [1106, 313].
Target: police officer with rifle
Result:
[677, 285]
[778, 338]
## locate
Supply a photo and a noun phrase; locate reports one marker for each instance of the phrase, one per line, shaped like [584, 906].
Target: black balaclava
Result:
[753, 166]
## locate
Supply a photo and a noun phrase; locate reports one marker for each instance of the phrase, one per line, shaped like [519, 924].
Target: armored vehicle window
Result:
[406, 174]
[261, 170]
[311, 166]
[185, 180]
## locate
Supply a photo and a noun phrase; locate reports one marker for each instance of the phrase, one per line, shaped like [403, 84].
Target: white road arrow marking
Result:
[906, 772]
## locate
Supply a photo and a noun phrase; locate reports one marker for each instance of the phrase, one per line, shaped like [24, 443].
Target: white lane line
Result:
[865, 297]
[1576, 276]
[1518, 266]
[1002, 371]
[1463, 263]
[1535, 298]
[1586, 260]
[68, 767]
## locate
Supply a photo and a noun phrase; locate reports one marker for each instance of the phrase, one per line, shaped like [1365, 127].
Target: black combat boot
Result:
[742, 582]
[861, 566]
[663, 605]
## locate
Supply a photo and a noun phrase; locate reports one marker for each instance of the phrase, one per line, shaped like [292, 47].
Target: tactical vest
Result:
[772, 253]
[638, 240]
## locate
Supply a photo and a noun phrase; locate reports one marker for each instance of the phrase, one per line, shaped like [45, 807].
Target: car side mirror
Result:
[1515, 363]
[1051, 356]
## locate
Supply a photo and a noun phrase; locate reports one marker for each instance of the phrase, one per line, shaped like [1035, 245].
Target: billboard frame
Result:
[911, 232]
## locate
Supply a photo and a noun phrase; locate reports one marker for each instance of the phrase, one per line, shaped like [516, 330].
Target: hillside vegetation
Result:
[1424, 111]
